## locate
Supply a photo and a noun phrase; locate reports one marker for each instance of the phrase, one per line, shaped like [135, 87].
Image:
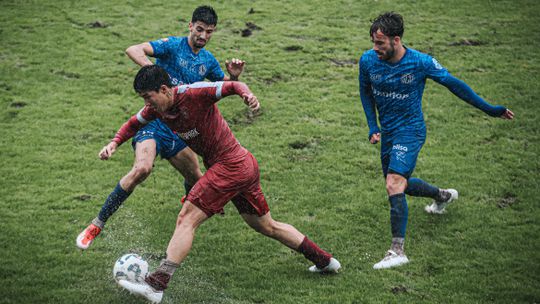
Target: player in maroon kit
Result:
[232, 171]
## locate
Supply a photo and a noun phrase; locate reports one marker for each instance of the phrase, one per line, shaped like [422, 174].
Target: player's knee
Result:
[141, 172]
[268, 229]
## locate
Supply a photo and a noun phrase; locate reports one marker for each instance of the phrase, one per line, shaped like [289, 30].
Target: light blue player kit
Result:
[176, 56]
[395, 91]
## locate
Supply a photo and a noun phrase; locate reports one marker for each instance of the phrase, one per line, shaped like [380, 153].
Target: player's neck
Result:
[194, 49]
[400, 51]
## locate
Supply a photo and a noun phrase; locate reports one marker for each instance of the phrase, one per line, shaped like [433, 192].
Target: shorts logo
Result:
[400, 148]
[189, 134]
[407, 78]
[202, 70]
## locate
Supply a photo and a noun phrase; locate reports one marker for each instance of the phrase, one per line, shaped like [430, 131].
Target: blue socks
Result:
[399, 214]
[112, 203]
[418, 187]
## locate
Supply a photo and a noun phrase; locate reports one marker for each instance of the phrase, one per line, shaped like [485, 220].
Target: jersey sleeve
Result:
[162, 47]
[134, 124]
[366, 97]
[207, 93]
[433, 69]
[215, 73]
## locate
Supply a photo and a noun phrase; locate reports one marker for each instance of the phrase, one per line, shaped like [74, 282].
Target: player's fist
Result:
[375, 138]
[507, 114]
[251, 101]
[108, 150]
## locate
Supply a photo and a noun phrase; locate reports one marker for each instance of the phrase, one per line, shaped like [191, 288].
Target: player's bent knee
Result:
[140, 173]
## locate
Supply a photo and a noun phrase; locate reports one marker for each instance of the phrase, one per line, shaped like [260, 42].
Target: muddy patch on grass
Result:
[83, 197]
[467, 42]
[343, 62]
[507, 200]
[97, 24]
[18, 104]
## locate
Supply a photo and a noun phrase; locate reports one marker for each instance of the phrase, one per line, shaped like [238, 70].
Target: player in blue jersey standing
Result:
[186, 61]
[392, 79]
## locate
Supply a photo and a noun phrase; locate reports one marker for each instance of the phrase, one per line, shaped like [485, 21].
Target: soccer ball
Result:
[131, 267]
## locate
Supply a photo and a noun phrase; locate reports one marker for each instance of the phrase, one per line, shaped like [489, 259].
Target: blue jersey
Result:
[175, 55]
[396, 90]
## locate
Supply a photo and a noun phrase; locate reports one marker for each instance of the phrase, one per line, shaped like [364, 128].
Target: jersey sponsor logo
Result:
[202, 70]
[375, 77]
[392, 95]
[400, 148]
[407, 78]
[189, 134]
[438, 66]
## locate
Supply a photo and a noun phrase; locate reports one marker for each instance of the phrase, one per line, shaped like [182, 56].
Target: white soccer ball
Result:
[131, 267]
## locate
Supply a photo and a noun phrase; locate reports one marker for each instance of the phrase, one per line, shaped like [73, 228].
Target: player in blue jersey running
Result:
[186, 61]
[392, 79]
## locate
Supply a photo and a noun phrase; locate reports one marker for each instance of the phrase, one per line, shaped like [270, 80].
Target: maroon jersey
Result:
[195, 117]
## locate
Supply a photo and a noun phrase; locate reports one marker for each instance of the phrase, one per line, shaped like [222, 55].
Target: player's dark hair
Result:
[205, 14]
[151, 78]
[390, 24]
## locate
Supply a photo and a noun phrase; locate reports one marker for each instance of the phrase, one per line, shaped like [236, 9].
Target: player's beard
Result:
[198, 44]
[388, 55]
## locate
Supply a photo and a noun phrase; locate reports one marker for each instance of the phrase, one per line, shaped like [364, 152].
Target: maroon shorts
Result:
[236, 180]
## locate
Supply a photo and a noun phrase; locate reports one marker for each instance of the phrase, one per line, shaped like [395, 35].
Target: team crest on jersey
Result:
[202, 70]
[438, 66]
[407, 78]
[375, 77]
[182, 62]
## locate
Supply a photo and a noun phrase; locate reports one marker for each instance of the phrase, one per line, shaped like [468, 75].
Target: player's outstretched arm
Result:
[139, 53]
[463, 91]
[242, 90]
[235, 67]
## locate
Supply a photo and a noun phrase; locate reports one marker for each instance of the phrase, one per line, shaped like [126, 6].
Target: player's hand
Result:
[235, 67]
[375, 138]
[108, 150]
[251, 101]
[507, 114]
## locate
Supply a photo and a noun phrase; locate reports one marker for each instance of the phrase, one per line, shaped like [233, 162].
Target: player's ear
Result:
[164, 89]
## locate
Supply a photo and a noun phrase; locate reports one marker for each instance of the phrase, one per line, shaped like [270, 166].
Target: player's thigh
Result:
[251, 201]
[145, 153]
[187, 163]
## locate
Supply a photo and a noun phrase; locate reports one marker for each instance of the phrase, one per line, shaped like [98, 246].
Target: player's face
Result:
[383, 46]
[200, 33]
[159, 101]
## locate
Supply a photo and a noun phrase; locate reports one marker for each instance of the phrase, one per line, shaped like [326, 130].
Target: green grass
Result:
[66, 87]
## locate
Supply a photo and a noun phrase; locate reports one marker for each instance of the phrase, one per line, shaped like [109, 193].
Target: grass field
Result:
[66, 86]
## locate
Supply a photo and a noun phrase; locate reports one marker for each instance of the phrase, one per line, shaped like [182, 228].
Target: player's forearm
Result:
[138, 55]
[234, 88]
[463, 91]
[128, 130]
[369, 110]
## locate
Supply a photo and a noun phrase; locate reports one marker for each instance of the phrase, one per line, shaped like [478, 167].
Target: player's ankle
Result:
[98, 222]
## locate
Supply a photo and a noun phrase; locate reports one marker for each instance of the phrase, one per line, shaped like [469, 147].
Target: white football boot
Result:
[332, 267]
[438, 207]
[142, 289]
[392, 259]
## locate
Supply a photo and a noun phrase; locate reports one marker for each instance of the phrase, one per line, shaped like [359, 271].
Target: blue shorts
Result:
[399, 153]
[167, 142]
